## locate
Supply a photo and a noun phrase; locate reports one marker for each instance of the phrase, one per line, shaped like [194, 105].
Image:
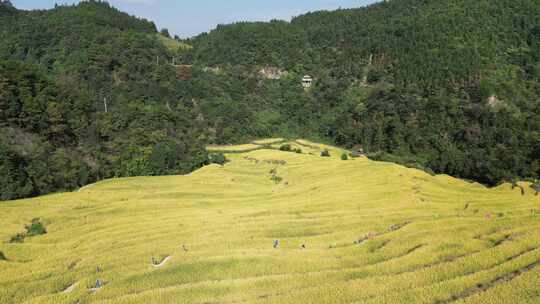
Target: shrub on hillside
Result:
[218, 158]
[536, 187]
[298, 150]
[17, 238]
[325, 153]
[276, 179]
[2, 256]
[344, 156]
[286, 148]
[35, 228]
[354, 154]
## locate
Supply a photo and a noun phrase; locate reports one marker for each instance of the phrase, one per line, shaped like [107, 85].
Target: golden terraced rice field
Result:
[354, 231]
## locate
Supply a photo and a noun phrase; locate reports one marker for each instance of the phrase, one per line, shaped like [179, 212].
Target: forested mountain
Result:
[88, 92]
[82, 98]
[448, 85]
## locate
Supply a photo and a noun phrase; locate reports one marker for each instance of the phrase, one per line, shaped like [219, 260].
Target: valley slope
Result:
[373, 232]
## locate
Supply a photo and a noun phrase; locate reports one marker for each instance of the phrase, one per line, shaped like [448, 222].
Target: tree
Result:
[14, 181]
[165, 32]
[162, 160]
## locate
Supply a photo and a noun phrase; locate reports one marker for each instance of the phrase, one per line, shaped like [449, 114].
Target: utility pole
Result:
[105, 104]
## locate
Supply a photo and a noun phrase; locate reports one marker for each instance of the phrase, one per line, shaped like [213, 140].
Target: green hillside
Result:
[426, 43]
[354, 231]
[447, 85]
[172, 44]
[87, 93]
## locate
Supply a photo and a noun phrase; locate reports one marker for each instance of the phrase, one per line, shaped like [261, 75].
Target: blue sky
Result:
[190, 17]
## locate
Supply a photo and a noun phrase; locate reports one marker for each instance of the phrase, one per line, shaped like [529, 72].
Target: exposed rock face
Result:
[272, 73]
[494, 102]
[215, 70]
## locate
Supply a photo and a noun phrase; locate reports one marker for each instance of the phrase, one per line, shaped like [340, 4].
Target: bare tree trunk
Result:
[105, 104]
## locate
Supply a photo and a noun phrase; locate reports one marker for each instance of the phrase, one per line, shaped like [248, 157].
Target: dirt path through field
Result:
[163, 262]
[86, 187]
[70, 288]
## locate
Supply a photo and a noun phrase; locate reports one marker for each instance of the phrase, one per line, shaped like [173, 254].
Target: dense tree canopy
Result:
[85, 94]
[448, 85]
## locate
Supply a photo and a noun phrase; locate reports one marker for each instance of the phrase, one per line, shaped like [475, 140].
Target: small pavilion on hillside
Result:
[307, 81]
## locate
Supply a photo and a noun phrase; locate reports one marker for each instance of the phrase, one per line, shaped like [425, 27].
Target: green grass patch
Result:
[173, 45]
[36, 227]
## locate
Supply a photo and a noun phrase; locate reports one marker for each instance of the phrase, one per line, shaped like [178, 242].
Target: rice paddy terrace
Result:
[276, 227]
